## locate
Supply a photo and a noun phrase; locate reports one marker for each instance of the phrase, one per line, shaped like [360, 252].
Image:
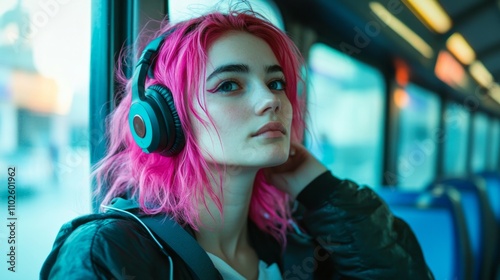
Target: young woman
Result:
[208, 133]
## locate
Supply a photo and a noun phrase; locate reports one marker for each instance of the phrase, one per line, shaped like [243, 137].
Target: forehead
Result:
[240, 47]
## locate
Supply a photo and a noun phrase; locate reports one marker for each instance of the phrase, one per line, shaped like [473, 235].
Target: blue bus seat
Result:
[479, 219]
[492, 181]
[438, 221]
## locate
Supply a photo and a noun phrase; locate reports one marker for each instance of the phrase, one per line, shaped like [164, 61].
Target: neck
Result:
[226, 236]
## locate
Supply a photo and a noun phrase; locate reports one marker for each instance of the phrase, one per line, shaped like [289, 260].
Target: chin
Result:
[274, 158]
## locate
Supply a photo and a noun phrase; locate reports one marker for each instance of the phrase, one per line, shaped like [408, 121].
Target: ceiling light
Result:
[431, 13]
[457, 45]
[449, 70]
[480, 74]
[402, 30]
[495, 92]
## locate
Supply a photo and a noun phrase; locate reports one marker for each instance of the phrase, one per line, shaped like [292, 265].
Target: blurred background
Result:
[44, 81]
[394, 102]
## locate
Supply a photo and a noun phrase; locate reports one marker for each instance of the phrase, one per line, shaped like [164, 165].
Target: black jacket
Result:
[351, 234]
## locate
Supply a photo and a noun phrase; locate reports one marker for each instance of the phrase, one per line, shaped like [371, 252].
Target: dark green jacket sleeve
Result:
[357, 228]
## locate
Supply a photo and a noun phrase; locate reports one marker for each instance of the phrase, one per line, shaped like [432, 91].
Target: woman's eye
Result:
[277, 85]
[228, 86]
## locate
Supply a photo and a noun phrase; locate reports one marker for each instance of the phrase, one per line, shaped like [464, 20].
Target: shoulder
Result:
[108, 228]
[93, 233]
[109, 248]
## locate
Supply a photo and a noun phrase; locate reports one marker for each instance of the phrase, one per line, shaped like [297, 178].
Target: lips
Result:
[271, 126]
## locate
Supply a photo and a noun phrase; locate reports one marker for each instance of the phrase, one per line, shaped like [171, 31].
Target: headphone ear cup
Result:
[146, 125]
[171, 134]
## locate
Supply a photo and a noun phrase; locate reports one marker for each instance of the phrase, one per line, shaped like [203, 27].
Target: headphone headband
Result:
[144, 66]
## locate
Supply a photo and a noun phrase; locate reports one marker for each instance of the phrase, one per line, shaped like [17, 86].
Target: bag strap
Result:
[183, 244]
[177, 239]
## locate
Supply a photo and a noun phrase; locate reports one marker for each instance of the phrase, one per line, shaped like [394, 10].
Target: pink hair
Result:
[175, 185]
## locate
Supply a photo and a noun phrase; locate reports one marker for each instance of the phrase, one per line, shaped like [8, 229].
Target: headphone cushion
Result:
[179, 139]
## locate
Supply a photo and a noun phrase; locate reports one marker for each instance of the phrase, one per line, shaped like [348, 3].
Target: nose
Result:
[267, 102]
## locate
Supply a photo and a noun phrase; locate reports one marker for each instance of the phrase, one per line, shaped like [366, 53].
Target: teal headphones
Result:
[153, 119]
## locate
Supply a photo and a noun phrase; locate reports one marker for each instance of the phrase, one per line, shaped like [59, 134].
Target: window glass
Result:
[346, 115]
[418, 138]
[495, 145]
[180, 10]
[456, 121]
[44, 78]
[480, 146]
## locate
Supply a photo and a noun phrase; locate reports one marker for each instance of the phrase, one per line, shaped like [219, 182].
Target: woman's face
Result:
[245, 96]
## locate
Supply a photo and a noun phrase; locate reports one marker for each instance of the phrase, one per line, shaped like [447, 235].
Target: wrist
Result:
[319, 190]
[309, 171]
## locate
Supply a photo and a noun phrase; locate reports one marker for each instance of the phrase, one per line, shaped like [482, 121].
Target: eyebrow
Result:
[241, 68]
[273, 69]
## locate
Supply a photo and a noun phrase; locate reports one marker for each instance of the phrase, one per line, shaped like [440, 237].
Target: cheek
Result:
[231, 112]
[229, 119]
[201, 126]
[287, 110]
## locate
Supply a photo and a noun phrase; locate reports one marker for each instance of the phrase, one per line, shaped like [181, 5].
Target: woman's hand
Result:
[297, 172]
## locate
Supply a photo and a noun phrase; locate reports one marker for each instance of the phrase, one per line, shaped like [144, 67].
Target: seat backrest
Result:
[480, 221]
[492, 180]
[439, 225]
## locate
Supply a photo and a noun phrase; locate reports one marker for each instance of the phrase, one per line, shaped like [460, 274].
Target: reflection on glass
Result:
[44, 77]
[457, 120]
[346, 113]
[478, 161]
[418, 138]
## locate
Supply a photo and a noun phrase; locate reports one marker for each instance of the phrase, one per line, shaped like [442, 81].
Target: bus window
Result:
[494, 144]
[180, 10]
[44, 80]
[417, 145]
[346, 114]
[479, 149]
[457, 120]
